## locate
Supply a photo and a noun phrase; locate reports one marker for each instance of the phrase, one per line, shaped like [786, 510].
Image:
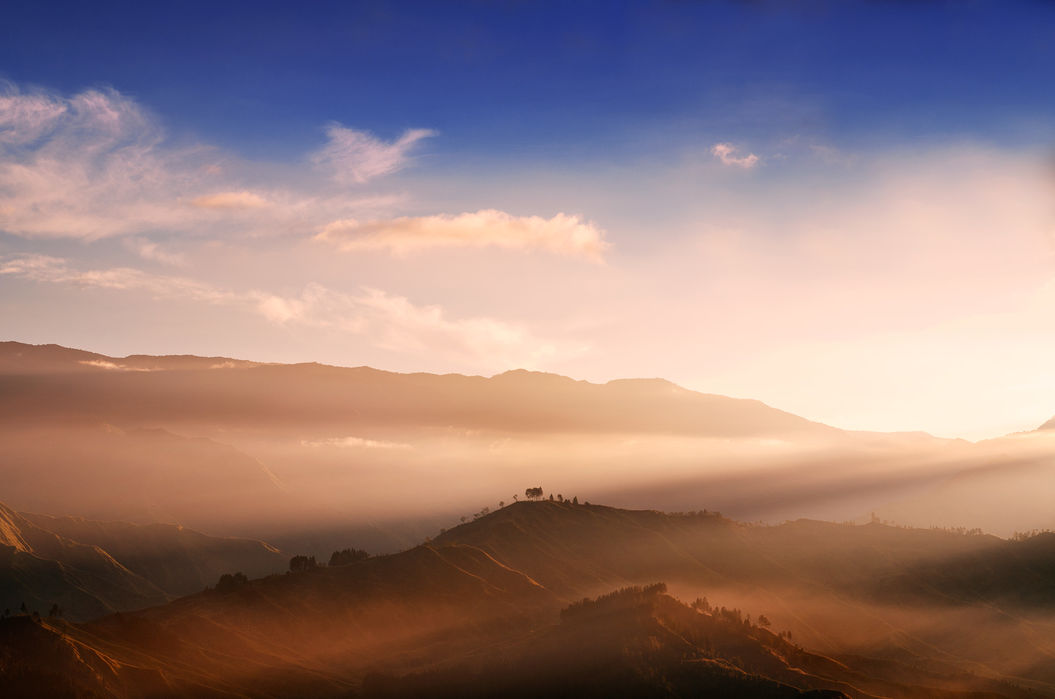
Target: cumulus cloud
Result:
[562, 234]
[356, 156]
[727, 154]
[389, 321]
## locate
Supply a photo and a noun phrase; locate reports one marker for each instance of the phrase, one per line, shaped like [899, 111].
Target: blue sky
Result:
[545, 79]
[841, 208]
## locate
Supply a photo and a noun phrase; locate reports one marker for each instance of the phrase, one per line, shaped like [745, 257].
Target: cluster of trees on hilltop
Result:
[298, 564]
[626, 596]
[537, 493]
[56, 612]
[229, 582]
[344, 557]
[347, 557]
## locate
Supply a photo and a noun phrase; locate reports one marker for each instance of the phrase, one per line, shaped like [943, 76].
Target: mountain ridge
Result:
[454, 393]
[479, 607]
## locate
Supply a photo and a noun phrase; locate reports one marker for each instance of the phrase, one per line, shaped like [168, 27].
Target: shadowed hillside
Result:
[570, 547]
[908, 591]
[178, 560]
[86, 568]
[477, 613]
[631, 643]
[39, 569]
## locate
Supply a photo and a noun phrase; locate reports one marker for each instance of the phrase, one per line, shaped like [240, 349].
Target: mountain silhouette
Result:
[478, 612]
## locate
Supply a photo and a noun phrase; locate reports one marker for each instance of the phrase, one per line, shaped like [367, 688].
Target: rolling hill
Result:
[89, 568]
[40, 568]
[176, 559]
[476, 612]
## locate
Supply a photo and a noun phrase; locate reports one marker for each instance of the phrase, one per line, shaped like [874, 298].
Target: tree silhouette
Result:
[347, 556]
[299, 564]
[533, 493]
[229, 581]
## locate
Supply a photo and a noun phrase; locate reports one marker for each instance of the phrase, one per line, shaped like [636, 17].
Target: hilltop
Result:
[480, 607]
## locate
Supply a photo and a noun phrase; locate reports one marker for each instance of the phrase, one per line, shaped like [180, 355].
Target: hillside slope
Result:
[39, 569]
[483, 619]
[571, 547]
[178, 560]
[90, 568]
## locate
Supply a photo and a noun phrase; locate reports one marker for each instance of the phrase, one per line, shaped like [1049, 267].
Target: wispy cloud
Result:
[55, 270]
[394, 323]
[356, 443]
[563, 234]
[390, 321]
[110, 366]
[231, 200]
[88, 166]
[25, 118]
[356, 156]
[98, 165]
[155, 252]
[727, 153]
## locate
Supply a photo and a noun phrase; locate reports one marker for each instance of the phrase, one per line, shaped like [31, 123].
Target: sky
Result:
[844, 209]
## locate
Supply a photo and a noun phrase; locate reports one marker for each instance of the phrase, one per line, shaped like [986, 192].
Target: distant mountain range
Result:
[861, 611]
[56, 382]
[311, 456]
